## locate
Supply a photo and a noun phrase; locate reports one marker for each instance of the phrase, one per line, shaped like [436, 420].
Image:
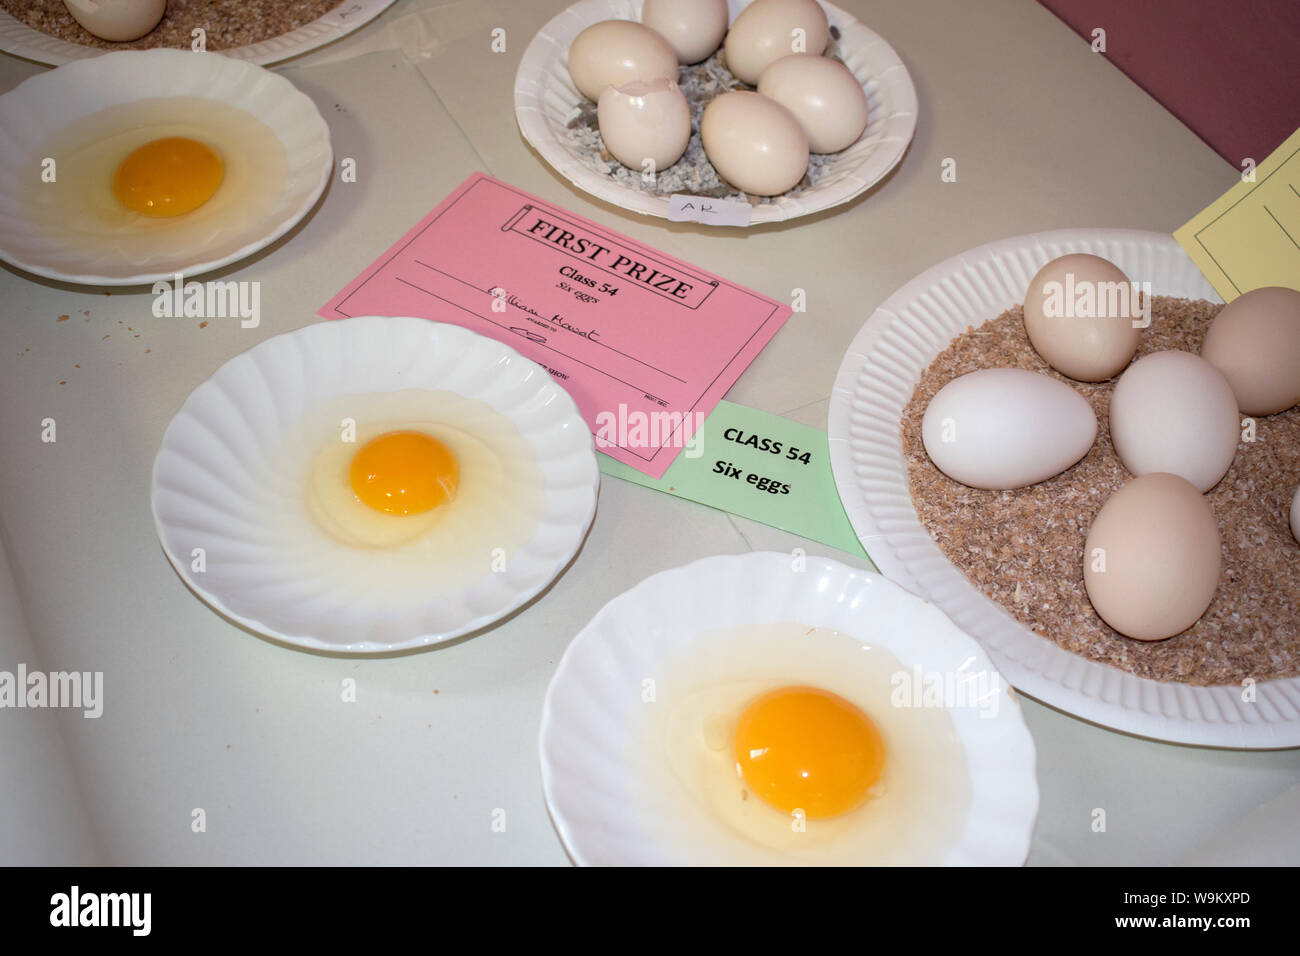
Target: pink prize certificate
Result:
[645, 343]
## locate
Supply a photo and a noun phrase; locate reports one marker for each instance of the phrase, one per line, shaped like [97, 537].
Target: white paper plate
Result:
[19, 39]
[874, 384]
[222, 444]
[42, 104]
[546, 100]
[592, 739]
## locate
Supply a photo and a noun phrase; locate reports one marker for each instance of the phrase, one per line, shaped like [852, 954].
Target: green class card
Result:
[759, 466]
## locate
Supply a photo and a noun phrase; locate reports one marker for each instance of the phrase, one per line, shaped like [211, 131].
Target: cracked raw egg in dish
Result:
[144, 181]
[774, 708]
[438, 489]
[794, 744]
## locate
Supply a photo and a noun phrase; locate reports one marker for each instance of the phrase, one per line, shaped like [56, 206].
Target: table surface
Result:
[199, 714]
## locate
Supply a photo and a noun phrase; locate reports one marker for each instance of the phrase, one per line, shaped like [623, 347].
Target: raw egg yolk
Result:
[808, 749]
[404, 473]
[168, 177]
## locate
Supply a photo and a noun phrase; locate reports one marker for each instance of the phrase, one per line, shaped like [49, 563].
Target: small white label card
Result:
[683, 207]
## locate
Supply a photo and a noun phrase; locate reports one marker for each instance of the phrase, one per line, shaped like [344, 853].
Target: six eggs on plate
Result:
[759, 139]
[1152, 557]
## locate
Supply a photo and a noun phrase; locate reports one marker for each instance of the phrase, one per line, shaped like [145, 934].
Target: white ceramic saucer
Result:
[217, 484]
[43, 104]
[595, 736]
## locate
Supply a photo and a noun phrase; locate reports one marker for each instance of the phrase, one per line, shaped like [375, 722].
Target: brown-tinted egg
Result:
[1079, 314]
[1152, 559]
[1255, 342]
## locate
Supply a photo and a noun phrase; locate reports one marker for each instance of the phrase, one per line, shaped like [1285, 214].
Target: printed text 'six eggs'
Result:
[106, 164]
[894, 788]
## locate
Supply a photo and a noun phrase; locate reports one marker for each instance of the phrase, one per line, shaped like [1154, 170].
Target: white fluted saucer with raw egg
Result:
[374, 484]
[771, 708]
[136, 165]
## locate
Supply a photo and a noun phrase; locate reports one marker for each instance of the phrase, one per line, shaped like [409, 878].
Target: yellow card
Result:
[1250, 236]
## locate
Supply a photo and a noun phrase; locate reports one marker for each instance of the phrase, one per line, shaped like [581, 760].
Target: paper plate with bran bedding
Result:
[1230, 681]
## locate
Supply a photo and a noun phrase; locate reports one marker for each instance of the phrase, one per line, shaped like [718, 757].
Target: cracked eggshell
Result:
[642, 121]
[615, 52]
[765, 31]
[1175, 412]
[1004, 428]
[1152, 557]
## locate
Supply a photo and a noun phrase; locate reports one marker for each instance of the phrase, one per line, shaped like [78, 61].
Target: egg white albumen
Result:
[80, 210]
[913, 816]
[495, 511]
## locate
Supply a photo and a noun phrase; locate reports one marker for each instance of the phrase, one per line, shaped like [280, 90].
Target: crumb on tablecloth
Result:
[1024, 548]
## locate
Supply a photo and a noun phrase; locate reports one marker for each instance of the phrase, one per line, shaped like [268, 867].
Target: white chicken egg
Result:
[1174, 412]
[767, 30]
[823, 95]
[614, 52]
[1295, 515]
[1005, 428]
[366, 469]
[693, 28]
[117, 20]
[754, 143]
[645, 125]
[788, 743]
[233, 192]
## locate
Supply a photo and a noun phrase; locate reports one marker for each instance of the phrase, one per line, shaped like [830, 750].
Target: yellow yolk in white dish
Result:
[168, 177]
[784, 743]
[806, 749]
[158, 179]
[404, 473]
[415, 489]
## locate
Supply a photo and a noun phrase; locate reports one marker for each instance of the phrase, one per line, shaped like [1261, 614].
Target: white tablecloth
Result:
[201, 714]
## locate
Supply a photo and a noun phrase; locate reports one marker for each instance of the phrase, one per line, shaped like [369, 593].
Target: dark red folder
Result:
[1229, 69]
